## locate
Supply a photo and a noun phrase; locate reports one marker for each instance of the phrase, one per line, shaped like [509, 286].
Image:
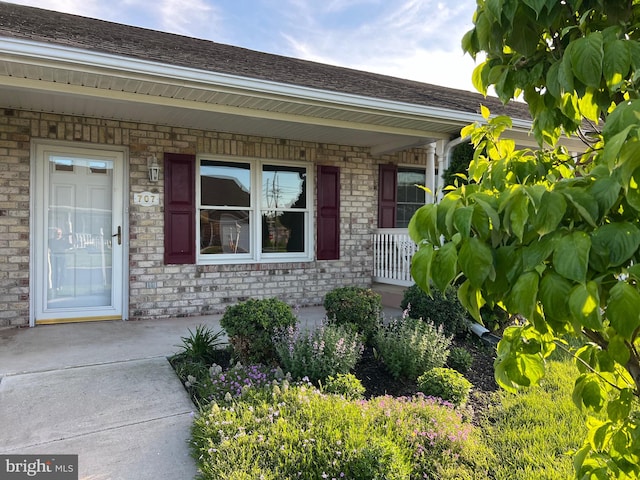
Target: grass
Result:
[532, 432]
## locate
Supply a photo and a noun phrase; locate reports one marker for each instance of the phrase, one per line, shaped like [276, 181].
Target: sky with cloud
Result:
[414, 39]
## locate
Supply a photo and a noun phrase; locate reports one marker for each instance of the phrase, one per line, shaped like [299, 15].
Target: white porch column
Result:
[430, 178]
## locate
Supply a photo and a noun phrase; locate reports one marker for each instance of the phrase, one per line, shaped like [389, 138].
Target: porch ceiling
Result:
[51, 79]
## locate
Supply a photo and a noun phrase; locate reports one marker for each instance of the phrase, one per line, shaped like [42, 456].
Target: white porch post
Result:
[430, 178]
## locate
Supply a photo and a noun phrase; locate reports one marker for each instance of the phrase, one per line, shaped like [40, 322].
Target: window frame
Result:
[255, 254]
[407, 168]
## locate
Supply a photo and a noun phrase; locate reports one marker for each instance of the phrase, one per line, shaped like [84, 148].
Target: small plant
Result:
[460, 359]
[251, 326]
[443, 309]
[446, 384]
[224, 386]
[346, 385]
[318, 353]
[201, 346]
[409, 347]
[360, 307]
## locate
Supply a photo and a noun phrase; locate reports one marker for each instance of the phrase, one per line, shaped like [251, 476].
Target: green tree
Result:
[460, 159]
[554, 239]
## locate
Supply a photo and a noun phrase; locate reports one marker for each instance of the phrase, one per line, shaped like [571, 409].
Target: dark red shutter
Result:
[179, 208]
[387, 196]
[328, 232]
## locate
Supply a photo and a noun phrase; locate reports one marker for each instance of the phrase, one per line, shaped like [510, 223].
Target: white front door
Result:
[79, 241]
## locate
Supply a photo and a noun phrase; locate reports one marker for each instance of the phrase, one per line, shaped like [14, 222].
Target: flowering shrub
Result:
[227, 385]
[409, 347]
[299, 432]
[318, 353]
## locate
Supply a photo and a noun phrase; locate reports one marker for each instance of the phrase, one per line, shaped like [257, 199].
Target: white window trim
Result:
[256, 255]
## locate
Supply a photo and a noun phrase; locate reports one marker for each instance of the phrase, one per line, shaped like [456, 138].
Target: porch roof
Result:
[68, 64]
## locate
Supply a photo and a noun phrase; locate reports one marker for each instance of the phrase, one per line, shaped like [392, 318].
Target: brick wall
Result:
[158, 290]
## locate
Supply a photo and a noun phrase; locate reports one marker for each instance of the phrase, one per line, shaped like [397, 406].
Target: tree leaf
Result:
[616, 62]
[618, 350]
[633, 190]
[476, 261]
[524, 294]
[606, 191]
[588, 392]
[585, 204]
[424, 224]
[571, 256]
[620, 408]
[621, 240]
[584, 304]
[550, 212]
[537, 252]
[471, 299]
[462, 220]
[421, 267]
[445, 266]
[554, 295]
[536, 5]
[586, 59]
[519, 214]
[623, 309]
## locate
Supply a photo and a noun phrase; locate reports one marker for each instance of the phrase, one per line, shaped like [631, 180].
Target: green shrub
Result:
[460, 359]
[446, 384]
[360, 307]
[345, 384]
[410, 346]
[445, 310]
[299, 433]
[318, 353]
[251, 326]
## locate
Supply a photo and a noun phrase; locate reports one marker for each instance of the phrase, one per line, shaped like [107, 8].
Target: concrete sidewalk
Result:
[104, 391]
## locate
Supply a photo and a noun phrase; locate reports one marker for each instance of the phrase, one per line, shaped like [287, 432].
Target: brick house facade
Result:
[49, 129]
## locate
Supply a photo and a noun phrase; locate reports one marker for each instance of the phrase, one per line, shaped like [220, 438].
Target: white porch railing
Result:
[392, 252]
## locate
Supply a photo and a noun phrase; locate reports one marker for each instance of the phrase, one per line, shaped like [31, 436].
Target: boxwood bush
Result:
[445, 383]
[443, 309]
[355, 306]
[252, 325]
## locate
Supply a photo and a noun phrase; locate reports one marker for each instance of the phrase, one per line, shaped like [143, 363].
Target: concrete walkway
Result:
[104, 391]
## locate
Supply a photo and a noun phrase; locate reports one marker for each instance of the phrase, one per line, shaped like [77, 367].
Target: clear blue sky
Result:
[415, 39]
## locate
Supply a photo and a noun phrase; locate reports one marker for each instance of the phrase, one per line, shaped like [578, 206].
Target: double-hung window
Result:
[252, 210]
[409, 197]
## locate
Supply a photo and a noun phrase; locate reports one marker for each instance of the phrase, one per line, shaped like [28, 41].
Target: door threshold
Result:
[55, 321]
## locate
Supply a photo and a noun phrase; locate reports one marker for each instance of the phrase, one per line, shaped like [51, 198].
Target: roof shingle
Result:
[22, 22]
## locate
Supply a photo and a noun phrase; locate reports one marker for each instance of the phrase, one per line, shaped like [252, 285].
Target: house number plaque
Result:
[146, 199]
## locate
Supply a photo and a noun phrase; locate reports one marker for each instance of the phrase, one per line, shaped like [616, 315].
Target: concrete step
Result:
[392, 295]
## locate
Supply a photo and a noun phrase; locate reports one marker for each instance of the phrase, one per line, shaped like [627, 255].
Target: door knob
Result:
[119, 235]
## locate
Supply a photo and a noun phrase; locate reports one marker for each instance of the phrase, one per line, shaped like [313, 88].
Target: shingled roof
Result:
[29, 23]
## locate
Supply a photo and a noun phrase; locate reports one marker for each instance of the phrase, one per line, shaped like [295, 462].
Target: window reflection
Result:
[225, 184]
[282, 232]
[284, 187]
[224, 231]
